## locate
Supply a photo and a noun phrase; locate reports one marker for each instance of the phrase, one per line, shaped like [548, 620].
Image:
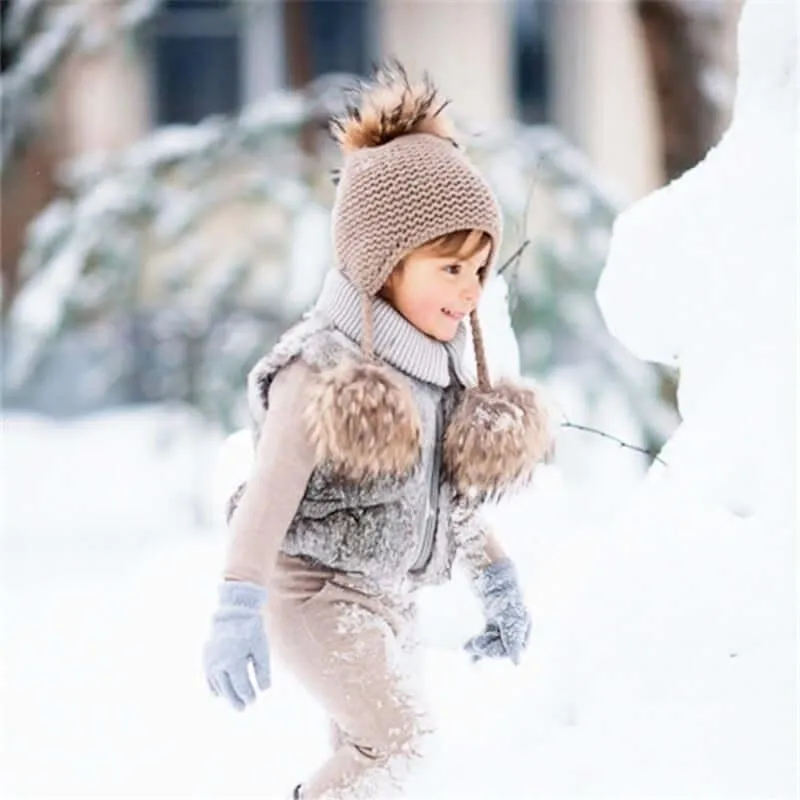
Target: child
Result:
[374, 453]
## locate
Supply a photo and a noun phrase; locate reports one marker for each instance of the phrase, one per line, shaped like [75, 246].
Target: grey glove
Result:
[237, 638]
[508, 623]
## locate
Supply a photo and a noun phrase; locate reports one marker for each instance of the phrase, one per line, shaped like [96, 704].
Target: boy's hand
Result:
[237, 639]
[508, 623]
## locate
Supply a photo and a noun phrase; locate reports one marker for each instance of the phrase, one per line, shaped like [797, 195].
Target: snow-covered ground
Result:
[661, 665]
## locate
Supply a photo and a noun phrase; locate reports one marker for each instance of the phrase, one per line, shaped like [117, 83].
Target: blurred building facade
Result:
[189, 253]
[586, 67]
[591, 69]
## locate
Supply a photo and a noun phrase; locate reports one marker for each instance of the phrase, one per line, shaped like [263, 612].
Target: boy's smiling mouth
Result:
[456, 315]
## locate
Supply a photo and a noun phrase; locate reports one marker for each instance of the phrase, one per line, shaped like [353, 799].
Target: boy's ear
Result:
[388, 288]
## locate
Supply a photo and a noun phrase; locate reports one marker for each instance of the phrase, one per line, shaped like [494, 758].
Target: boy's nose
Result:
[470, 294]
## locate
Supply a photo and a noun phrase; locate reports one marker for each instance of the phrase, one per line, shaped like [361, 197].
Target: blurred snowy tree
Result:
[171, 268]
[195, 246]
[553, 199]
[37, 37]
[54, 54]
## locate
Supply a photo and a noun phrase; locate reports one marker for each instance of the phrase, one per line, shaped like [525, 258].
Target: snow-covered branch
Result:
[44, 34]
[22, 85]
[157, 202]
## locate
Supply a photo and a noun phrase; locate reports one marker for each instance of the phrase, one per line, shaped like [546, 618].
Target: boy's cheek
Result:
[424, 308]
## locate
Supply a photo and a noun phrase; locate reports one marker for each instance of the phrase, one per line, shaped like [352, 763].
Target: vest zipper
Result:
[431, 519]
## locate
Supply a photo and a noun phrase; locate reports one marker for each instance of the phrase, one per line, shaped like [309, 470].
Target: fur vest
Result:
[388, 503]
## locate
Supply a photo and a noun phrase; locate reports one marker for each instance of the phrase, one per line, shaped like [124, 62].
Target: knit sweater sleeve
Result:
[478, 546]
[283, 463]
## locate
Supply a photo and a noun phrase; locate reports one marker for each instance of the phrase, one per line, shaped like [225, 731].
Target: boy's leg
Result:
[351, 659]
[409, 645]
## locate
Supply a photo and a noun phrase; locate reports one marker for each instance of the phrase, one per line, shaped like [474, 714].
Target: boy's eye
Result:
[452, 269]
[481, 274]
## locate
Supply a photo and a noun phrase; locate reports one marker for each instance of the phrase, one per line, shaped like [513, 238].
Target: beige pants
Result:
[354, 653]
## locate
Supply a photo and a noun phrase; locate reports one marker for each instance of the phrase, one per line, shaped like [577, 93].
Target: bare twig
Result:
[652, 455]
[529, 199]
[515, 256]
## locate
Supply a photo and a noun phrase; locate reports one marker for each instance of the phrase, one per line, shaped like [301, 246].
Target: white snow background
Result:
[663, 662]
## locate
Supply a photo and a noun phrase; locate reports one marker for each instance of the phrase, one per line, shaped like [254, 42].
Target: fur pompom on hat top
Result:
[404, 183]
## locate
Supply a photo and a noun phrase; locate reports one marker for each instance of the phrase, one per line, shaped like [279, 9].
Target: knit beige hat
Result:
[395, 197]
[405, 182]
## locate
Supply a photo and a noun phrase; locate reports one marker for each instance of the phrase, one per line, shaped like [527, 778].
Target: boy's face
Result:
[434, 292]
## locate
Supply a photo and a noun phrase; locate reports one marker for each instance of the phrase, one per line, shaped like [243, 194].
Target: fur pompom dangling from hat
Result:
[363, 422]
[494, 441]
[361, 419]
[496, 436]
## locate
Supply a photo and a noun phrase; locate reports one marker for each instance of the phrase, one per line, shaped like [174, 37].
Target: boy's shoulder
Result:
[313, 340]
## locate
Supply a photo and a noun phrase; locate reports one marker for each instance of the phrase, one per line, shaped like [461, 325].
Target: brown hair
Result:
[459, 244]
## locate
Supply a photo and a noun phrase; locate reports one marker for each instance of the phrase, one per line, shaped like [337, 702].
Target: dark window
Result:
[8, 52]
[197, 60]
[339, 33]
[324, 36]
[530, 43]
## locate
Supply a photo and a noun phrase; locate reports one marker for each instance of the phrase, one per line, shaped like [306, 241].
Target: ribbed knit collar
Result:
[396, 340]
